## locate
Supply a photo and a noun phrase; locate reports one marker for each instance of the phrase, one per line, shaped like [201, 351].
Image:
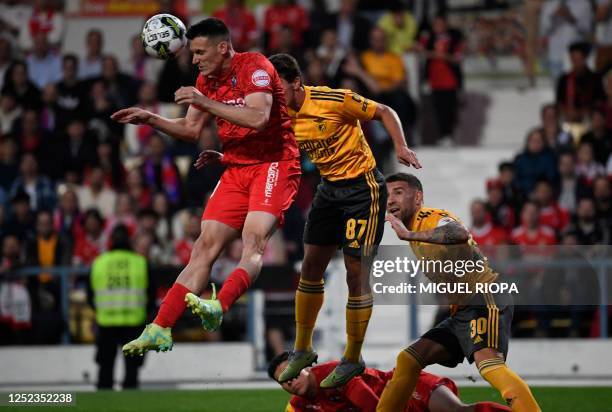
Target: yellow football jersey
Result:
[327, 128]
[429, 218]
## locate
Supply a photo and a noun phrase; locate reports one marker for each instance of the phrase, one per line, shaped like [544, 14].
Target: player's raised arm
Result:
[390, 120]
[186, 128]
[255, 114]
[360, 108]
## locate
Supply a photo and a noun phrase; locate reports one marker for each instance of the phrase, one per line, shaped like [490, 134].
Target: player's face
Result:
[403, 200]
[208, 54]
[298, 386]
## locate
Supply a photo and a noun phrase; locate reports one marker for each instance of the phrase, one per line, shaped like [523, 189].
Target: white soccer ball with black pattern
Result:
[163, 36]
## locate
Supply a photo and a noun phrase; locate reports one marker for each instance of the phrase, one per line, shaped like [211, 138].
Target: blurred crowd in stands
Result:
[557, 190]
[69, 175]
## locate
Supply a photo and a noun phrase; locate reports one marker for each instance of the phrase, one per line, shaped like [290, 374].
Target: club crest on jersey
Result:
[260, 78]
[234, 81]
[321, 124]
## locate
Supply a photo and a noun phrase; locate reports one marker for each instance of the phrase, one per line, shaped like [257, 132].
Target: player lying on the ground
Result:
[244, 94]
[361, 393]
[478, 330]
[347, 211]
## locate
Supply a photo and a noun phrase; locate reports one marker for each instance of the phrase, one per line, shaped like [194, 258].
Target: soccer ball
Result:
[163, 36]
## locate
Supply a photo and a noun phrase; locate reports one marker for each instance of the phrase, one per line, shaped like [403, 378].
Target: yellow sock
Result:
[358, 313]
[308, 302]
[399, 389]
[511, 387]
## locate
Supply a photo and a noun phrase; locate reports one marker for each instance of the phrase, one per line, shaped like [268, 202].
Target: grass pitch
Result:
[592, 399]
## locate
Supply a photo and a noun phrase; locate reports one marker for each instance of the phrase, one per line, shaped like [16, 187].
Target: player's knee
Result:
[253, 244]
[205, 249]
[409, 361]
[312, 270]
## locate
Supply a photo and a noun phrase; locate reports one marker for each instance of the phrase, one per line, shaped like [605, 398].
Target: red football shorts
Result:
[263, 187]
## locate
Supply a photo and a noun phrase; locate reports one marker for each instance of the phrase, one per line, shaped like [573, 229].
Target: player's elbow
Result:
[260, 122]
[384, 112]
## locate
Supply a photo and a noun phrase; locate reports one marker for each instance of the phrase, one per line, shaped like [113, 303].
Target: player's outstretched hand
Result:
[133, 115]
[399, 227]
[408, 158]
[190, 95]
[207, 157]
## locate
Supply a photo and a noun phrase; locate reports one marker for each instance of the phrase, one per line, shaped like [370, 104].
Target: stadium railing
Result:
[257, 299]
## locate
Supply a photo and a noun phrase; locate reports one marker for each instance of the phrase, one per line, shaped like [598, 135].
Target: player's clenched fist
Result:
[208, 157]
[133, 115]
[190, 95]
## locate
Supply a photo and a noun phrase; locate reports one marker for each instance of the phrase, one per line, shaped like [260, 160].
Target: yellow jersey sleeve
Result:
[357, 107]
[429, 218]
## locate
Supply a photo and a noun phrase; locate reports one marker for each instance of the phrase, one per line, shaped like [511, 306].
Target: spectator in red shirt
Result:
[551, 214]
[284, 13]
[241, 24]
[483, 231]
[531, 232]
[443, 50]
[183, 247]
[91, 241]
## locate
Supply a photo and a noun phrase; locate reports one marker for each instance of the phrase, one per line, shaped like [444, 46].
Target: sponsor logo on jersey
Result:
[260, 78]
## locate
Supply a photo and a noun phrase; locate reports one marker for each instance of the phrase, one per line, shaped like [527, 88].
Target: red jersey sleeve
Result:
[256, 76]
[296, 404]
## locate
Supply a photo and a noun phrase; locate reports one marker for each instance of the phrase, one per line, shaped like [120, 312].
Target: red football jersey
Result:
[362, 393]
[489, 235]
[543, 236]
[251, 73]
[554, 216]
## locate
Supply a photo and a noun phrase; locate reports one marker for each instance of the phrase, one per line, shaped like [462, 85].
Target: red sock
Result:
[236, 284]
[491, 407]
[172, 306]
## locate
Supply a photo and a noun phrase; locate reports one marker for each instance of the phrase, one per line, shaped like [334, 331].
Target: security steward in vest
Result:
[119, 289]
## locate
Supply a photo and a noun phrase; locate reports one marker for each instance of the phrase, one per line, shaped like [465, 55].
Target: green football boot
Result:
[208, 310]
[298, 360]
[344, 372]
[154, 337]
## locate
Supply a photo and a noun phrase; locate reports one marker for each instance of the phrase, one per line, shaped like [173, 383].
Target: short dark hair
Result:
[93, 213]
[277, 360]
[409, 178]
[210, 27]
[287, 67]
[120, 238]
[72, 58]
[505, 165]
[580, 46]
[530, 202]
